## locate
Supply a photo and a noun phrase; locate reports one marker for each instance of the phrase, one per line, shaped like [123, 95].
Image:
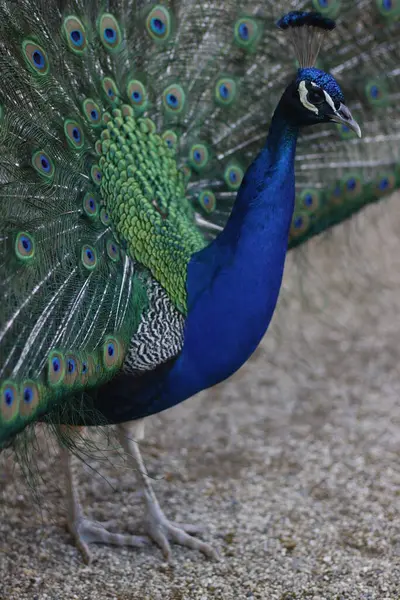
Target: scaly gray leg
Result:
[83, 530]
[159, 528]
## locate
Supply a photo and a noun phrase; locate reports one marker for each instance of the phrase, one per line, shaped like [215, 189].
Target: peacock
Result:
[146, 213]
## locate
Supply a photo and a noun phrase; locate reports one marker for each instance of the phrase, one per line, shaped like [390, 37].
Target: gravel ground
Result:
[292, 466]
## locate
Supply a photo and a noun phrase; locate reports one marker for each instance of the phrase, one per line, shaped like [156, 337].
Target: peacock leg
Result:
[83, 530]
[159, 528]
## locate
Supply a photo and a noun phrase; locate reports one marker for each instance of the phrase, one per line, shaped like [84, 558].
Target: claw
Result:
[162, 532]
[87, 532]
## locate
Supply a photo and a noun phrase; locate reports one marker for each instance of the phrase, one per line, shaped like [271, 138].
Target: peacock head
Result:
[315, 97]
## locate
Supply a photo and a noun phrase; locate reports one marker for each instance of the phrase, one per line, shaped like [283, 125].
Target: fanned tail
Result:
[192, 86]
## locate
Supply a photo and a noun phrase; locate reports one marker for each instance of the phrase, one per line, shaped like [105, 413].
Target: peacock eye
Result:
[316, 96]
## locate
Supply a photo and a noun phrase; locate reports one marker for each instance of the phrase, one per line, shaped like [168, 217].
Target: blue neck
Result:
[233, 284]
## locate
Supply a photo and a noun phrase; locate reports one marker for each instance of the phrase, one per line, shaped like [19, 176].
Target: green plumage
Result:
[125, 130]
[146, 200]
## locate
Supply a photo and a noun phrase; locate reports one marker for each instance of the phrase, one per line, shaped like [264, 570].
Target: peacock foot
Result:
[163, 532]
[86, 532]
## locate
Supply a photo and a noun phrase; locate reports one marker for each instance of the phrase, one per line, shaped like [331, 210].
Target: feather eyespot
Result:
[56, 368]
[246, 32]
[174, 99]
[90, 205]
[112, 353]
[104, 217]
[127, 111]
[352, 185]
[186, 173]
[92, 112]
[43, 164]
[9, 396]
[24, 246]
[85, 370]
[72, 369]
[91, 367]
[300, 224]
[310, 200]
[30, 398]
[9, 401]
[207, 201]
[334, 194]
[384, 184]
[170, 138]
[389, 8]
[345, 132]
[328, 8]
[110, 89]
[225, 91]
[113, 250]
[233, 176]
[74, 134]
[35, 57]
[96, 174]
[71, 366]
[198, 156]
[376, 93]
[158, 23]
[137, 94]
[110, 32]
[89, 257]
[75, 34]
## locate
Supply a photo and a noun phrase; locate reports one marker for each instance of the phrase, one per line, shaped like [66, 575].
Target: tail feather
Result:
[206, 77]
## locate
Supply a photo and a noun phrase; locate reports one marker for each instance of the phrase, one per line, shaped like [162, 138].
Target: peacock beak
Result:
[344, 117]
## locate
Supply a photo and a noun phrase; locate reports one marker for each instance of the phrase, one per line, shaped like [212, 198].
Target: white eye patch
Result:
[327, 96]
[329, 101]
[303, 92]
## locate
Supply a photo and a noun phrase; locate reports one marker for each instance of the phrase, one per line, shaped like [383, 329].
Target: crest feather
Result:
[306, 31]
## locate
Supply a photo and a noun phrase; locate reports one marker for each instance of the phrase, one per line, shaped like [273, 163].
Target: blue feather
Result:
[299, 18]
